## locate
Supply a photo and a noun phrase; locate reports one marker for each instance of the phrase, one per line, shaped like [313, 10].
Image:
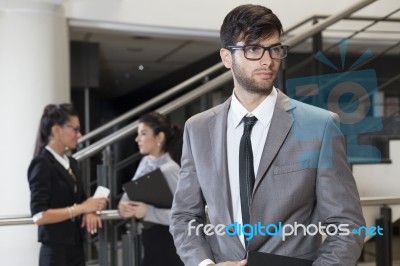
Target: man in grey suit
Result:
[301, 179]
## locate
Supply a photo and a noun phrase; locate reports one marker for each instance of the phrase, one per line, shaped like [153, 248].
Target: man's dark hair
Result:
[249, 23]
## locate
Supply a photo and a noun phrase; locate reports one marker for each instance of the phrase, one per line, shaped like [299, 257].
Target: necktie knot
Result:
[249, 122]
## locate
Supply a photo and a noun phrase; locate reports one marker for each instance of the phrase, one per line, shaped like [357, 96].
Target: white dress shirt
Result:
[263, 113]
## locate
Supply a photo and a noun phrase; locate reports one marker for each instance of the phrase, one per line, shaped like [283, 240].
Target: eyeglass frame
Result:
[268, 48]
[76, 129]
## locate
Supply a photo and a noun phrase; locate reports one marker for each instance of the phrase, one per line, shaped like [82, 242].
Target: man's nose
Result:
[266, 59]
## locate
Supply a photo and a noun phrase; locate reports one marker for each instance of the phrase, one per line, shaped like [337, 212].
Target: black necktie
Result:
[246, 169]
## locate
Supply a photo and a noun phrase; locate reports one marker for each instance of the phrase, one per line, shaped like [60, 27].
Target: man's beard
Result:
[249, 84]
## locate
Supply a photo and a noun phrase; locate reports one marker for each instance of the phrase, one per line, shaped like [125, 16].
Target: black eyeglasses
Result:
[76, 129]
[256, 52]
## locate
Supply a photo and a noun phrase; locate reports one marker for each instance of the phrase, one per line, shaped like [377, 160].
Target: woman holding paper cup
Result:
[58, 202]
[161, 143]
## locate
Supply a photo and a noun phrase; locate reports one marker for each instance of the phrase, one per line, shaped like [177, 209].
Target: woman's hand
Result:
[92, 222]
[135, 209]
[125, 209]
[92, 205]
[139, 209]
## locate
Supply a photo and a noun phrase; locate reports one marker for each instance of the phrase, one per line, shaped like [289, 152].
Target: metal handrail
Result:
[21, 220]
[307, 33]
[310, 58]
[152, 102]
[380, 201]
[129, 129]
[107, 215]
[166, 109]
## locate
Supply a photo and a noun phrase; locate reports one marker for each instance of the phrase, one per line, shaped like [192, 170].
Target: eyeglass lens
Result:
[76, 129]
[257, 52]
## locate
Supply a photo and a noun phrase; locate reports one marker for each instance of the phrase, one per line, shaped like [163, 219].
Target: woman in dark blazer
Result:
[58, 202]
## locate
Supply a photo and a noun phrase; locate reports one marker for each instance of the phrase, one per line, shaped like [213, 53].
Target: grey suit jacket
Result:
[303, 177]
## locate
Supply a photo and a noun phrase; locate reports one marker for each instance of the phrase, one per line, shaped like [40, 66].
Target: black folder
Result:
[152, 188]
[255, 258]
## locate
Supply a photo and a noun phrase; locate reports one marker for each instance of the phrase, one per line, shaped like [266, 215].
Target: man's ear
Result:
[226, 57]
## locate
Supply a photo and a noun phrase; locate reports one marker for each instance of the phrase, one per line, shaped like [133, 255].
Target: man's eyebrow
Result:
[274, 44]
[258, 44]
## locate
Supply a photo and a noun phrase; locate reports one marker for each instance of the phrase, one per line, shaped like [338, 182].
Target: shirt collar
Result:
[64, 161]
[160, 160]
[263, 111]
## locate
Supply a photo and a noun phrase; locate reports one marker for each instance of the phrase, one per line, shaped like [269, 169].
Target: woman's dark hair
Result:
[249, 23]
[173, 133]
[53, 114]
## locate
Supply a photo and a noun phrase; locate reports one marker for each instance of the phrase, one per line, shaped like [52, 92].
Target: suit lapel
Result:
[281, 123]
[63, 173]
[217, 129]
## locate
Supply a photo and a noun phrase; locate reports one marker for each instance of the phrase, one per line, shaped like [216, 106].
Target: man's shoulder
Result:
[205, 116]
[311, 112]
